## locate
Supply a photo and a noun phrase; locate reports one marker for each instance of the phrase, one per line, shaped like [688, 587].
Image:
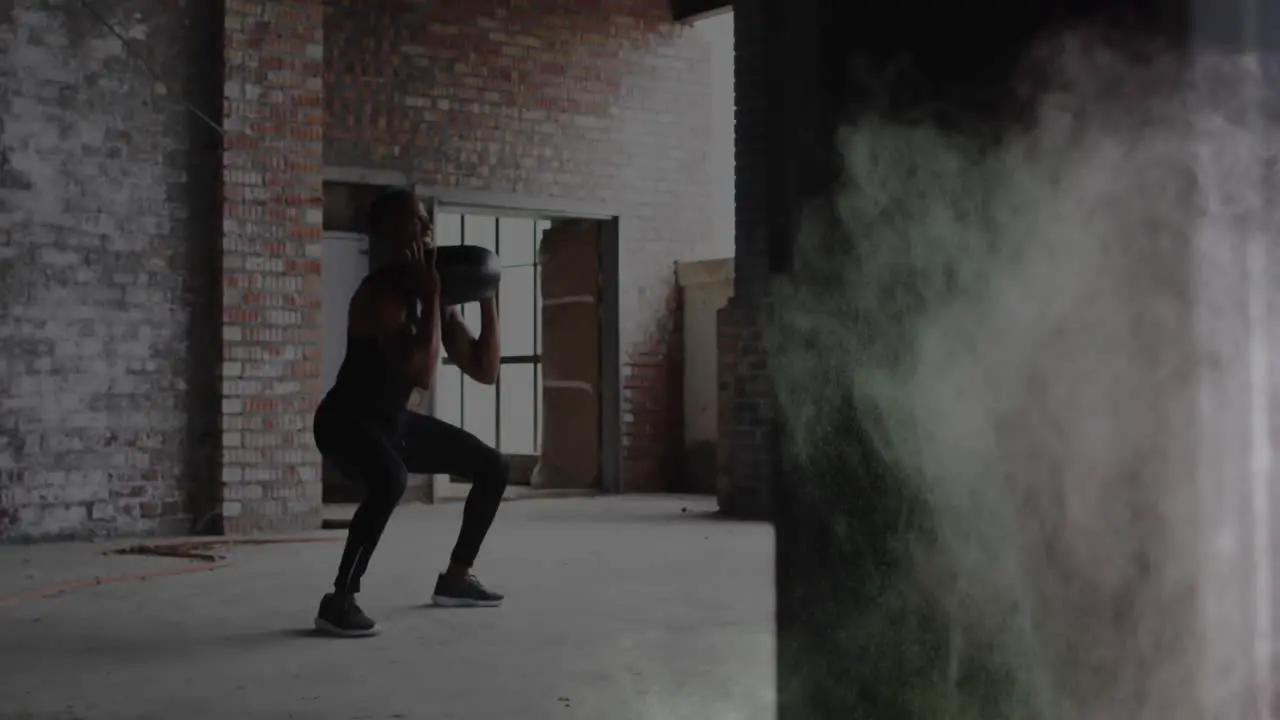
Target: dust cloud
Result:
[1055, 346]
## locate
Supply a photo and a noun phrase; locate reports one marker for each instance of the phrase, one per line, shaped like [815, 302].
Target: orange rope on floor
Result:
[248, 541]
[52, 590]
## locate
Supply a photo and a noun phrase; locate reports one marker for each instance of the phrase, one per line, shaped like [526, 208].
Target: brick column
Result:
[726, 366]
[272, 221]
[759, 199]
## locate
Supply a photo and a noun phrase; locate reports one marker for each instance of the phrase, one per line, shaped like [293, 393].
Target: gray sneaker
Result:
[340, 615]
[467, 592]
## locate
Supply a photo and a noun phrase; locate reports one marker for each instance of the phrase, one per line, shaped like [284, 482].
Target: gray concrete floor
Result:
[618, 608]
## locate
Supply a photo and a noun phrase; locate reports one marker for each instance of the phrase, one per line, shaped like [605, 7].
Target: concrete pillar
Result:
[705, 289]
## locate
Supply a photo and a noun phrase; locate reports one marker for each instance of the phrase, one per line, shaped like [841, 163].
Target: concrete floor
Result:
[618, 608]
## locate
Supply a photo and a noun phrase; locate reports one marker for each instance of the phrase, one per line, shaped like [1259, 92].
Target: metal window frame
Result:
[534, 359]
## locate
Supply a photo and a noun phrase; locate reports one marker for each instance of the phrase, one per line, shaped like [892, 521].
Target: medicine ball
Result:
[468, 273]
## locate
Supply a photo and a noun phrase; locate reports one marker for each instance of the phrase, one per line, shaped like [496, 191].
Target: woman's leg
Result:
[430, 445]
[365, 455]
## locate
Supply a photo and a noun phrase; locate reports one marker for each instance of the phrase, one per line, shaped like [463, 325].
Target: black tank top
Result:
[369, 384]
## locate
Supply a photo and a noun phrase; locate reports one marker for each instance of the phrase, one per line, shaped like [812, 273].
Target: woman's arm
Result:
[479, 357]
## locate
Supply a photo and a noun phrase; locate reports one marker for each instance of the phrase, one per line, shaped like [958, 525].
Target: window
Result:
[509, 414]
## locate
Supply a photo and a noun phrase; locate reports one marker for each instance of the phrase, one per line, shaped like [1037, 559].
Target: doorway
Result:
[555, 408]
[344, 261]
[545, 411]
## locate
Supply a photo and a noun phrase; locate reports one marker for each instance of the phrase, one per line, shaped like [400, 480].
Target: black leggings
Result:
[382, 460]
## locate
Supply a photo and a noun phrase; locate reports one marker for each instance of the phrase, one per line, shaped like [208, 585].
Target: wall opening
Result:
[545, 411]
[507, 415]
[344, 262]
[552, 310]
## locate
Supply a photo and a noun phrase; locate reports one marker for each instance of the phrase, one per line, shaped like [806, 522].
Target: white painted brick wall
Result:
[92, 323]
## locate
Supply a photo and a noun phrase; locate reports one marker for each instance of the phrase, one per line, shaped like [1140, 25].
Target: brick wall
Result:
[653, 392]
[726, 366]
[787, 101]
[757, 202]
[602, 102]
[101, 368]
[272, 214]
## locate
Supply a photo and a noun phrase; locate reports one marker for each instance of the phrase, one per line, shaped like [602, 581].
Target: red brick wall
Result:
[272, 213]
[653, 414]
[603, 102]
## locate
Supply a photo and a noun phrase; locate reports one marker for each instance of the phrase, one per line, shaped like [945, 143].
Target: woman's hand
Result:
[423, 279]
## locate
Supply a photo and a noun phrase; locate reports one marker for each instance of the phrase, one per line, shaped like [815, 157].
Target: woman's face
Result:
[410, 224]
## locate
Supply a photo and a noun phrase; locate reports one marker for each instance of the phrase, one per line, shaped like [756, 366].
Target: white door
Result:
[344, 263]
